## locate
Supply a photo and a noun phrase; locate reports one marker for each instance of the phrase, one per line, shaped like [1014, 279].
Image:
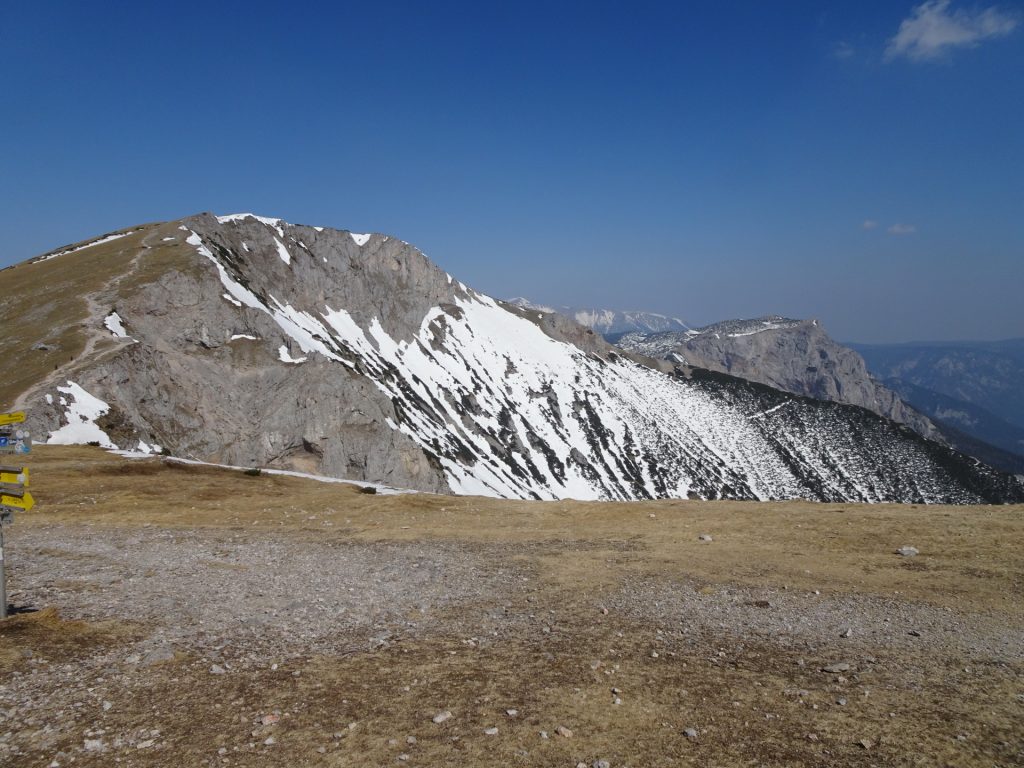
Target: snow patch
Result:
[360, 240]
[383, 490]
[81, 416]
[238, 336]
[101, 241]
[762, 414]
[282, 252]
[284, 357]
[274, 223]
[115, 325]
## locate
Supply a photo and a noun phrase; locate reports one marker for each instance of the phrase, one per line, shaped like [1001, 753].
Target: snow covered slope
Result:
[796, 356]
[357, 357]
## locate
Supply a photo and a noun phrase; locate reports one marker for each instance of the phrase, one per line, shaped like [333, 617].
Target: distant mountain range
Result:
[609, 321]
[975, 388]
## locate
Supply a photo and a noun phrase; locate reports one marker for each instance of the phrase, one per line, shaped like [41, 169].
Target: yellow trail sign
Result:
[24, 502]
[14, 475]
[15, 417]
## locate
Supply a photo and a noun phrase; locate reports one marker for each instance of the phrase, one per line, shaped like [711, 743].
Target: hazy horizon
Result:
[858, 164]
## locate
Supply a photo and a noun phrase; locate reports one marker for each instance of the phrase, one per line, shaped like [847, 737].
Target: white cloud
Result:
[933, 29]
[869, 224]
[902, 229]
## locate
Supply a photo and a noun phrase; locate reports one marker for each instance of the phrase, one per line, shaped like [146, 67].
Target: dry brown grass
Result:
[970, 555]
[45, 634]
[741, 695]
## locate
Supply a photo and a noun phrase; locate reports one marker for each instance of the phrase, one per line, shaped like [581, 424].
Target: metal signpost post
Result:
[14, 496]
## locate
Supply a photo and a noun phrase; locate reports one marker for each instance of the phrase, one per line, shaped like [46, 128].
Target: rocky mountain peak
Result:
[245, 340]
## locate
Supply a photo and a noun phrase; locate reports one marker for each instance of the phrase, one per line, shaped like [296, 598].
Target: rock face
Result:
[249, 341]
[795, 356]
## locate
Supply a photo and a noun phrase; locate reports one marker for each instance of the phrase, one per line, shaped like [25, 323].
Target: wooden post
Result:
[13, 482]
[3, 577]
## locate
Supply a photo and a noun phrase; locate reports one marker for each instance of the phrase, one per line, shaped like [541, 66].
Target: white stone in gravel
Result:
[270, 741]
[492, 731]
[601, 764]
[705, 537]
[93, 745]
[157, 656]
[690, 733]
[217, 669]
[907, 551]
[440, 717]
[511, 712]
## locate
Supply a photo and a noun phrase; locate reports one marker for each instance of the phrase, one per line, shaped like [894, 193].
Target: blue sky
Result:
[860, 162]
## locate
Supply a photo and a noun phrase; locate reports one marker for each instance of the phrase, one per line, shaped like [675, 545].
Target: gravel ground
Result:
[800, 619]
[236, 647]
[215, 589]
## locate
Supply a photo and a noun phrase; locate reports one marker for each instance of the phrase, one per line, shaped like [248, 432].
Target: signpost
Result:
[14, 439]
[15, 417]
[14, 480]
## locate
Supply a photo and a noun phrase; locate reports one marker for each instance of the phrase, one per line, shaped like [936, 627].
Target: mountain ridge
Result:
[608, 321]
[252, 341]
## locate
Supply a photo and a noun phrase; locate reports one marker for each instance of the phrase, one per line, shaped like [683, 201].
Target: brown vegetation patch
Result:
[45, 635]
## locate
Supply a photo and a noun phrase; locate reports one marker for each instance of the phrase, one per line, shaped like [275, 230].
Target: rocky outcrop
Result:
[795, 356]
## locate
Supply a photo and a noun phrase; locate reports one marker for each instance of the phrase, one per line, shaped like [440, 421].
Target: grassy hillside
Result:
[60, 302]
